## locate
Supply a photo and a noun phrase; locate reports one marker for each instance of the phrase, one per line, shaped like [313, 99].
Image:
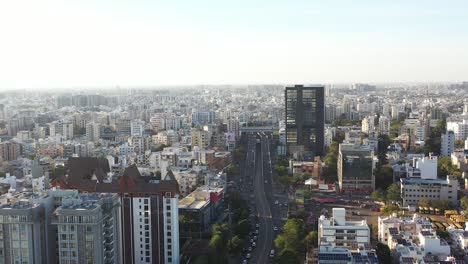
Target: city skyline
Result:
[56, 44]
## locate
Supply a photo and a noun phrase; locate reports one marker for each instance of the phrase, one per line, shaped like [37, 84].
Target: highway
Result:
[267, 203]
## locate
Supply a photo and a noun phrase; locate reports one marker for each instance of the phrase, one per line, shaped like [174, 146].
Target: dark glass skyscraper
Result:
[305, 112]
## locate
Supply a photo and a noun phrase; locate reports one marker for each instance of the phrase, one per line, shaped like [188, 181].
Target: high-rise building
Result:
[137, 127]
[356, 168]
[10, 150]
[384, 125]
[447, 145]
[93, 131]
[149, 212]
[88, 229]
[305, 115]
[367, 125]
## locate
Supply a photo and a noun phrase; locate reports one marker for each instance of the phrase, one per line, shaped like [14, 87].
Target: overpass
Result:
[255, 129]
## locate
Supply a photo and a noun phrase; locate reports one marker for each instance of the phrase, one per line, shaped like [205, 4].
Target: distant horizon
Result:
[95, 43]
[241, 85]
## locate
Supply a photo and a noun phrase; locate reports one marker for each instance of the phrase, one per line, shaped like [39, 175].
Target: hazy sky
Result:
[46, 43]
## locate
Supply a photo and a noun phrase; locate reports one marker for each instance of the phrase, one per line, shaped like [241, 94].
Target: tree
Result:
[157, 175]
[287, 256]
[445, 167]
[242, 228]
[285, 180]
[377, 196]
[58, 172]
[384, 142]
[329, 173]
[232, 170]
[389, 209]
[292, 236]
[383, 176]
[281, 170]
[383, 254]
[393, 193]
[464, 203]
[442, 204]
[235, 245]
[424, 203]
[312, 239]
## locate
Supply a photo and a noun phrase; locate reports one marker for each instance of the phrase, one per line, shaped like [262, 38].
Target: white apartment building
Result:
[388, 224]
[460, 129]
[137, 127]
[447, 146]
[338, 232]
[384, 125]
[415, 189]
[367, 125]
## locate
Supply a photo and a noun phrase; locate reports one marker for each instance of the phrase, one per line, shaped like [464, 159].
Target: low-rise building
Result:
[415, 189]
[339, 232]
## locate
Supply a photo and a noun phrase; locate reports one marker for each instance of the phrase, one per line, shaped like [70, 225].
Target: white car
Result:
[254, 244]
[275, 228]
[272, 253]
[250, 249]
[276, 202]
[248, 255]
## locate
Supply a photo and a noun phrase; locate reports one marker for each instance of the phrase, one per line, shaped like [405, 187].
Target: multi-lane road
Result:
[267, 204]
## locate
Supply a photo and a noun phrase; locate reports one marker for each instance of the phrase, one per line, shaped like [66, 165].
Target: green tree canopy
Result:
[393, 193]
[235, 245]
[311, 239]
[242, 228]
[287, 256]
[383, 254]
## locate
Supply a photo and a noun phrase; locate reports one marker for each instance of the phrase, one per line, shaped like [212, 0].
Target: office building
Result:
[384, 125]
[149, 208]
[338, 232]
[415, 189]
[305, 119]
[356, 165]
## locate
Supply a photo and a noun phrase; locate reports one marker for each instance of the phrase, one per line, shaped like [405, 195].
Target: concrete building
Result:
[460, 129]
[305, 114]
[367, 125]
[10, 150]
[63, 128]
[88, 227]
[200, 138]
[339, 232]
[149, 212]
[356, 165]
[93, 132]
[384, 125]
[415, 189]
[447, 146]
[137, 127]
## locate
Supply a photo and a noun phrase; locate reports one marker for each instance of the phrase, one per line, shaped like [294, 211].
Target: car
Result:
[257, 225]
[250, 249]
[275, 228]
[266, 181]
[251, 240]
[276, 202]
[255, 238]
[256, 232]
[254, 244]
[272, 253]
[245, 261]
[248, 256]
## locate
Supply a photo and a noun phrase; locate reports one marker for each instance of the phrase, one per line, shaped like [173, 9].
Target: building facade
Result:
[305, 114]
[356, 165]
